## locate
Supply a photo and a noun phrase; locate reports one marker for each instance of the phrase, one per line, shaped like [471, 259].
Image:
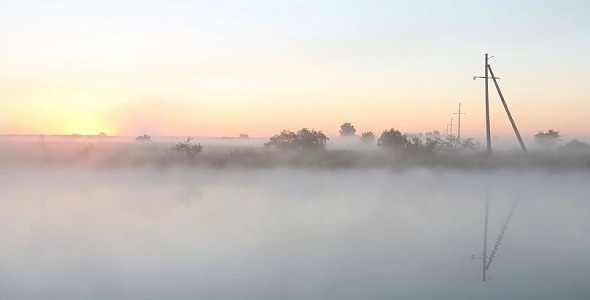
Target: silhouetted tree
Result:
[392, 139]
[367, 138]
[347, 129]
[311, 139]
[304, 139]
[286, 140]
[547, 139]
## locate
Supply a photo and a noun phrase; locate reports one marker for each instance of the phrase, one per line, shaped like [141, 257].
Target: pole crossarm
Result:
[483, 77]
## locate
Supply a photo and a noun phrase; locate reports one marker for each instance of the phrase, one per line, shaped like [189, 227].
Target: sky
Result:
[223, 68]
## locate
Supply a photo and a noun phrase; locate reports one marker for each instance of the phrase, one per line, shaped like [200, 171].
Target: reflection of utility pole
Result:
[459, 125]
[487, 261]
[485, 237]
[484, 257]
[501, 235]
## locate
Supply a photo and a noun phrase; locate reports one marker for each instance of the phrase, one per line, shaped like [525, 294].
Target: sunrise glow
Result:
[208, 69]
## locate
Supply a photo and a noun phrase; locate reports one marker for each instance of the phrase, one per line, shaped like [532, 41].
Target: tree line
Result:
[392, 139]
[306, 139]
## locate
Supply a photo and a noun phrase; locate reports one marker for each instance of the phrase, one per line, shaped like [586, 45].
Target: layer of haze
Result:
[288, 234]
[93, 217]
[220, 68]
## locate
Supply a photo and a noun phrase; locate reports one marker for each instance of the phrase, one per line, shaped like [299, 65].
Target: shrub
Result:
[575, 146]
[143, 138]
[368, 138]
[470, 144]
[304, 139]
[392, 139]
[285, 141]
[87, 149]
[547, 139]
[191, 150]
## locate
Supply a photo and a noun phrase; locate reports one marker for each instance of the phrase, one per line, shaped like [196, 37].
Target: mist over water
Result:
[182, 233]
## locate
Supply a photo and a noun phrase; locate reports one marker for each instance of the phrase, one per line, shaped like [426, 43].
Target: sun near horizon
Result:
[224, 69]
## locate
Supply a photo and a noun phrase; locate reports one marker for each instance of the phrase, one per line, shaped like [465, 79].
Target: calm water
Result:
[285, 234]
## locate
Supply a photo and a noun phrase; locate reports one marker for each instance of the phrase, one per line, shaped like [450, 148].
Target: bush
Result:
[575, 146]
[143, 138]
[87, 149]
[285, 141]
[368, 138]
[470, 144]
[392, 139]
[191, 150]
[304, 139]
[547, 139]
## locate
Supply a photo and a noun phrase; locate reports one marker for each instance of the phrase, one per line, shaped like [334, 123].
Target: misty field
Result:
[285, 232]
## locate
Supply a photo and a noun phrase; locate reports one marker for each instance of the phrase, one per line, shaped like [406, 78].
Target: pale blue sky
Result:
[378, 64]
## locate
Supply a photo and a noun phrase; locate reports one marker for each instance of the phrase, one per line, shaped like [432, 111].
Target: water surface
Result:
[291, 234]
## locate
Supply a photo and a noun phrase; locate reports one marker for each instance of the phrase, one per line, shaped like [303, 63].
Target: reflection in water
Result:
[487, 261]
[501, 235]
[290, 234]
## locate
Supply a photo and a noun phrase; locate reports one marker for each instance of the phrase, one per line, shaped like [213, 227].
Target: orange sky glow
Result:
[192, 74]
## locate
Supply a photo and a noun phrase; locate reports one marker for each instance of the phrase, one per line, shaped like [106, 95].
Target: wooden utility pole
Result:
[522, 146]
[487, 94]
[487, 260]
[451, 127]
[488, 69]
[488, 135]
[484, 256]
[459, 125]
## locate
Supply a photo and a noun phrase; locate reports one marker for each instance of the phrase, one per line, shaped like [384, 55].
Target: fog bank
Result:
[291, 234]
[235, 153]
